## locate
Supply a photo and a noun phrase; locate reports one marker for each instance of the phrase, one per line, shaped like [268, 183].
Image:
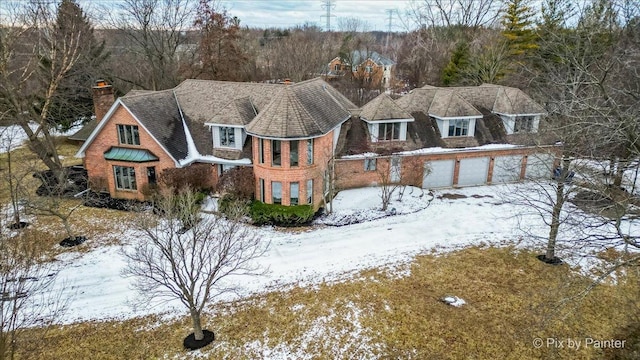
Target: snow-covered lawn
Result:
[96, 290]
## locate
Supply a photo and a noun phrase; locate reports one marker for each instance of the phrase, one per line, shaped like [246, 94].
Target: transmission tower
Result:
[390, 14]
[328, 5]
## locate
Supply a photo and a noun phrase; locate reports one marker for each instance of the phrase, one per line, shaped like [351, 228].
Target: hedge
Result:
[280, 215]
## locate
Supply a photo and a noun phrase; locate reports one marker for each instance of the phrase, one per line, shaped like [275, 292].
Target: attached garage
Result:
[539, 166]
[473, 171]
[506, 169]
[438, 173]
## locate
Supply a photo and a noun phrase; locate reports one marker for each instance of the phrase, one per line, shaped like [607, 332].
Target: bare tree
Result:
[41, 48]
[190, 257]
[26, 297]
[447, 13]
[396, 174]
[156, 31]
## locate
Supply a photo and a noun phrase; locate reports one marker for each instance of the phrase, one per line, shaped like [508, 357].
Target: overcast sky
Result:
[289, 13]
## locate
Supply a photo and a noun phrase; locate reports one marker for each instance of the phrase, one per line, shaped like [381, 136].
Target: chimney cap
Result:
[100, 83]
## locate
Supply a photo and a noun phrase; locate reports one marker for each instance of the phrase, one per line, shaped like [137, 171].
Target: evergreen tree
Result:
[73, 99]
[517, 21]
[453, 71]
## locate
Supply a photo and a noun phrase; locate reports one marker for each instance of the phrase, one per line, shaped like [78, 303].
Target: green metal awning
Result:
[132, 155]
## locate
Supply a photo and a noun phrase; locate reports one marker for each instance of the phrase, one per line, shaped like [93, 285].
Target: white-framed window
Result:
[128, 134]
[336, 67]
[310, 152]
[294, 193]
[370, 164]
[524, 124]
[227, 137]
[459, 127]
[125, 177]
[389, 131]
[368, 69]
[276, 153]
[276, 192]
[261, 151]
[310, 191]
[261, 190]
[293, 153]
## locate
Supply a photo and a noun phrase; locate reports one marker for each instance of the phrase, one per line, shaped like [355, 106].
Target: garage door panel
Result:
[506, 169]
[438, 173]
[473, 171]
[539, 166]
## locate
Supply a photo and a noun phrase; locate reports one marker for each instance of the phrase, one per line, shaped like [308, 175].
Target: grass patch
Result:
[512, 298]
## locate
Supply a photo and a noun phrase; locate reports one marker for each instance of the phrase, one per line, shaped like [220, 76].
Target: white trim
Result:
[298, 138]
[106, 119]
[225, 125]
[386, 120]
[457, 117]
[534, 114]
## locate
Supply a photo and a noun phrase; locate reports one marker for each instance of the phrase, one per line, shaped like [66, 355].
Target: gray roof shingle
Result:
[159, 114]
[383, 108]
[306, 109]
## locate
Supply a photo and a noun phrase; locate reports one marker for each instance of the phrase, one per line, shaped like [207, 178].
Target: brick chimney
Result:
[102, 98]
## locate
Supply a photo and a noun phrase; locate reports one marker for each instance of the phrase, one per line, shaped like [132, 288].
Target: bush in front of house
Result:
[280, 215]
[233, 207]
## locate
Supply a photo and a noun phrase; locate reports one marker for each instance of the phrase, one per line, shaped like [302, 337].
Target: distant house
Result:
[369, 66]
[291, 135]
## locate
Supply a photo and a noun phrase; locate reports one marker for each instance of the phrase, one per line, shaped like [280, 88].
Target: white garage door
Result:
[440, 174]
[473, 171]
[539, 166]
[506, 169]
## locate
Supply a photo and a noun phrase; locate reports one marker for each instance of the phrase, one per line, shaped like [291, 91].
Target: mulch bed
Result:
[190, 342]
[73, 241]
[553, 261]
[18, 225]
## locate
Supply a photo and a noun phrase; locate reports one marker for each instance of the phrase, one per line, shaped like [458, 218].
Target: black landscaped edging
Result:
[190, 343]
[73, 241]
[386, 214]
[553, 261]
[18, 225]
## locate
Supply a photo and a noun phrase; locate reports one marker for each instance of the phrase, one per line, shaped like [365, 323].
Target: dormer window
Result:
[227, 137]
[524, 124]
[389, 131]
[128, 135]
[459, 127]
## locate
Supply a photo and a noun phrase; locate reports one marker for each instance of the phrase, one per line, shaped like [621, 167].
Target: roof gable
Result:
[383, 108]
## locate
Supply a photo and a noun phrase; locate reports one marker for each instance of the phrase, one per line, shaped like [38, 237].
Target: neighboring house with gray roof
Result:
[290, 134]
[369, 66]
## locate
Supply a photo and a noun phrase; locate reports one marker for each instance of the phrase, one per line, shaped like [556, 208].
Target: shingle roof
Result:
[438, 102]
[85, 131]
[159, 114]
[360, 56]
[383, 108]
[238, 112]
[469, 101]
[306, 109]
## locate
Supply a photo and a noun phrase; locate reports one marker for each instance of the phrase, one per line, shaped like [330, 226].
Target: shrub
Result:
[280, 215]
[232, 207]
[197, 177]
[238, 182]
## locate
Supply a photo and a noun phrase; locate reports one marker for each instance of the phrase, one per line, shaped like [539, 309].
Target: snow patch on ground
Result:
[358, 205]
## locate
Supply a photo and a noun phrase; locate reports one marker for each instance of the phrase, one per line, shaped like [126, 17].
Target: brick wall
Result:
[350, 173]
[100, 171]
[285, 174]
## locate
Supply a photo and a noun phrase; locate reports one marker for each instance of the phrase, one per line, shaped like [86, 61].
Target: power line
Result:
[390, 13]
[328, 5]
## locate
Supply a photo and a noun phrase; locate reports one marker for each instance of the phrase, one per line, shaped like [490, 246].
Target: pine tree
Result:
[517, 20]
[452, 72]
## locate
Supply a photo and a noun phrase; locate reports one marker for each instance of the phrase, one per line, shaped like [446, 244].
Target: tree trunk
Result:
[197, 326]
[620, 166]
[555, 213]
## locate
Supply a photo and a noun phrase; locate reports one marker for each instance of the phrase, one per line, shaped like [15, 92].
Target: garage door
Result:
[539, 166]
[506, 169]
[473, 171]
[440, 174]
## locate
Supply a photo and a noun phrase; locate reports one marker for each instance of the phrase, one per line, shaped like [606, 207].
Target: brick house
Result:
[291, 135]
[369, 66]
